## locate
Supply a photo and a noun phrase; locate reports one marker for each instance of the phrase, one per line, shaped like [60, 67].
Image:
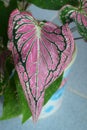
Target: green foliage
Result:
[82, 29]
[53, 4]
[11, 105]
[4, 16]
[52, 88]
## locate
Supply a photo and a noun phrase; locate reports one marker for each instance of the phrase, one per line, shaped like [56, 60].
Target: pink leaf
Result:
[80, 18]
[81, 15]
[41, 51]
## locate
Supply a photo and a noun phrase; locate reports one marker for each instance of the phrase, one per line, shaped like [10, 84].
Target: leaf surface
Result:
[65, 13]
[80, 18]
[41, 51]
[79, 15]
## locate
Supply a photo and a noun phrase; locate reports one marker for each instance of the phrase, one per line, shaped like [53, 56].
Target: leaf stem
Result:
[78, 38]
[22, 5]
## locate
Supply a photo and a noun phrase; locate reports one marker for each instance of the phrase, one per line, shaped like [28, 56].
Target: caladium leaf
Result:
[84, 5]
[81, 22]
[80, 18]
[41, 51]
[69, 13]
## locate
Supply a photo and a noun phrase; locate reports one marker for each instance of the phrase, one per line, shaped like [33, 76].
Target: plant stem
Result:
[78, 38]
[22, 5]
[12, 74]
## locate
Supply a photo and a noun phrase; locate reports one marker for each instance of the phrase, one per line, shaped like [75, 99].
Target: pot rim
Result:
[73, 58]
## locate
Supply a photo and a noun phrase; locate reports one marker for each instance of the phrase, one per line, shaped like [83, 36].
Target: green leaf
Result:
[7, 71]
[11, 105]
[52, 89]
[4, 69]
[53, 4]
[82, 29]
[4, 16]
[65, 13]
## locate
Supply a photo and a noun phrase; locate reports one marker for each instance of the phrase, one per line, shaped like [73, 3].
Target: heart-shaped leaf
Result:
[41, 51]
